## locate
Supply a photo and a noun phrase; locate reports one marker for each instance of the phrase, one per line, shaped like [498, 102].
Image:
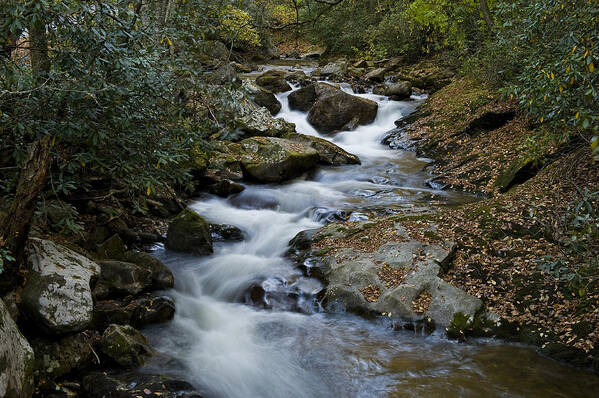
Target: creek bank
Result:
[475, 137]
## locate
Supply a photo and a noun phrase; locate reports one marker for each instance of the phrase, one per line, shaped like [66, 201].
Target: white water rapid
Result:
[290, 349]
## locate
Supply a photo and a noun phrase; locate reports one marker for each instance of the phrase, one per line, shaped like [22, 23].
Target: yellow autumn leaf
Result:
[542, 119]
[149, 191]
[53, 141]
[577, 115]
[568, 69]
[168, 40]
[591, 67]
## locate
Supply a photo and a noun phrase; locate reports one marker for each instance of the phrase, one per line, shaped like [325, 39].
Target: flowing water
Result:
[287, 348]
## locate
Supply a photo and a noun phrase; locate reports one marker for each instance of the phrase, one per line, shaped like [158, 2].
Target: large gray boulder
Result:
[328, 153]
[16, 359]
[274, 81]
[399, 91]
[399, 278]
[189, 233]
[377, 75]
[268, 159]
[335, 70]
[57, 296]
[335, 110]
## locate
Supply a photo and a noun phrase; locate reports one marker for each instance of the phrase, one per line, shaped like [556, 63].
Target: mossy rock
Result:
[189, 233]
[125, 345]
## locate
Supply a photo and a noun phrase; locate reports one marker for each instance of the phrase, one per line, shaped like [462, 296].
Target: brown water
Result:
[291, 349]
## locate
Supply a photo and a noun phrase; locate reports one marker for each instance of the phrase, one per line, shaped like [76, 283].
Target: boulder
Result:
[55, 359]
[135, 385]
[162, 277]
[125, 345]
[377, 75]
[399, 91]
[261, 123]
[328, 153]
[304, 98]
[189, 233]
[335, 110]
[336, 69]
[138, 312]
[361, 64]
[16, 359]
[119, 279]
[57, 296]
[241, 68]
[268, 159]
[111, 249]
[399, 277]
[274, 81]
[262, 97]
[226, 233]
[225, 188]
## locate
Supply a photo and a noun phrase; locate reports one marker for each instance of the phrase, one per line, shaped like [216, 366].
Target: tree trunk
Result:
[484, 9]
[40, 63]
[32, 179]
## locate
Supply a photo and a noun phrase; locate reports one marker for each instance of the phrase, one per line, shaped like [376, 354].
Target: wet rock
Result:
[55, 359]
[162, 277]
[303, 99]
[398, 278]
[225, 188]
[226, 233]
[134, 385]
[138, 312]
[16, 359]
[399, 91]
[334, 110]
[328, 153]
[379, 89]
[268, 159]
[189, 233]
[377, 75]
[274, 81]
[119, 279]
[57, 295]
[125, 345]
[241, 68]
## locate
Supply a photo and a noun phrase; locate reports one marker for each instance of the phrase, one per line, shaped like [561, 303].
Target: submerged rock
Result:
[16, 359]
[57, 295]
[125, 345]
[189, 233]
[134, 385]
[274, 81]
[226, 233]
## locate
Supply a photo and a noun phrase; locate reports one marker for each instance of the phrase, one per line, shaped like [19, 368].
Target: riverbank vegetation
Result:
[113, 113]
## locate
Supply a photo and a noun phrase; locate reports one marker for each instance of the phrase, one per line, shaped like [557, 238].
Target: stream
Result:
[287, 347]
